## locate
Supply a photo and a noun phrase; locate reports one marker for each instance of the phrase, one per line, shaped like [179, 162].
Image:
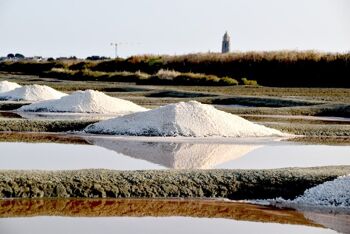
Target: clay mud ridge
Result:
[150, 208]
[12, 105]
[26, 125]
[231, 184]
[321, 130]
[32, 137]
[316, 140]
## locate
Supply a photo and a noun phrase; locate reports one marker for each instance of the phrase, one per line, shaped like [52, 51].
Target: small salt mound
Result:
[88, 101]
[334, 193]
[6, 86]
[32, 93]
[182, 119]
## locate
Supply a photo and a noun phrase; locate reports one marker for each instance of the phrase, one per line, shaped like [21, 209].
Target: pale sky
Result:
[87, 27]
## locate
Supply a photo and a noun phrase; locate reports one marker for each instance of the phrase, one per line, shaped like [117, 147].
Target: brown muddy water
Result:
[160, 216]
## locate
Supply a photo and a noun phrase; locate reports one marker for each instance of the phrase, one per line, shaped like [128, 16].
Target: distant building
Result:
[226, 43]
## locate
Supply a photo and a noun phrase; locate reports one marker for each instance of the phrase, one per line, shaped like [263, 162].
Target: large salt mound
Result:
[334, 193]
[6, 86]
[88, 101]
[32, 93]
[182, 119]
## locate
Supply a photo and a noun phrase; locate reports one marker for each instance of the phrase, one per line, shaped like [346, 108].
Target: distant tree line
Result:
[17, 56]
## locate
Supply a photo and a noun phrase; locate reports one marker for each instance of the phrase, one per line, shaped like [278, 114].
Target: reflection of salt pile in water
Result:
[32, 93]
[182, 119]
[334, 193]
[176, 155]
[6, 86]
[88, 101]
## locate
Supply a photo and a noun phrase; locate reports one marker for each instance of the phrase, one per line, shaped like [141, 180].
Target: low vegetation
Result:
[162, 77]
[245, 81]
[86, 74]
[30, 67]
[280, 68]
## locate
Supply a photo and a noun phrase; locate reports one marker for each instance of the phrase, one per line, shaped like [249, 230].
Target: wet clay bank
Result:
[162, 208]
[232, 184]
[150, 208]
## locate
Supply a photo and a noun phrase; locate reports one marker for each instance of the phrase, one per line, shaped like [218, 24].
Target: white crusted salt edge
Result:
[88, 101]
[331, 194]
[32, 93]
[6, 86]
[335, 193]
[190, 119]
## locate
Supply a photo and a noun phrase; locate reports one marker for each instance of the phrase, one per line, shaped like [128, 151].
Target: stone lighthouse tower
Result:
[226, 43]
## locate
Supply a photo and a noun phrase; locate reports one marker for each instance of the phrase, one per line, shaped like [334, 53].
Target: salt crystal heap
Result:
[88, 101]
[334, 193]
[191, 119]
[32, 93]
[6, 86]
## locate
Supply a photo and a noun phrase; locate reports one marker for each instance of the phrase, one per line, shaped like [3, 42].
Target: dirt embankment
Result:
[232, 184]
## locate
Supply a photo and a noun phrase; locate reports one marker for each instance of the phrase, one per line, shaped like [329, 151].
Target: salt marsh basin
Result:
[53, 170]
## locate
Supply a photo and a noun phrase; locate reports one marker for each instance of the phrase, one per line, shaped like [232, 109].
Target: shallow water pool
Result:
[136, 154]
[171, 225]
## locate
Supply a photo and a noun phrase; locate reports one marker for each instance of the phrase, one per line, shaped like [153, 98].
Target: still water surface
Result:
[159, 216]
[129, 154]
[145, 225]
[136, 154]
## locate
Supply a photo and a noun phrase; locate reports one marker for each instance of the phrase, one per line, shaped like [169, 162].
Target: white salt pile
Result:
[331, 194]
[32, 93]
[334, 193]
[182, 119]
[6, 86]
[88, 101]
